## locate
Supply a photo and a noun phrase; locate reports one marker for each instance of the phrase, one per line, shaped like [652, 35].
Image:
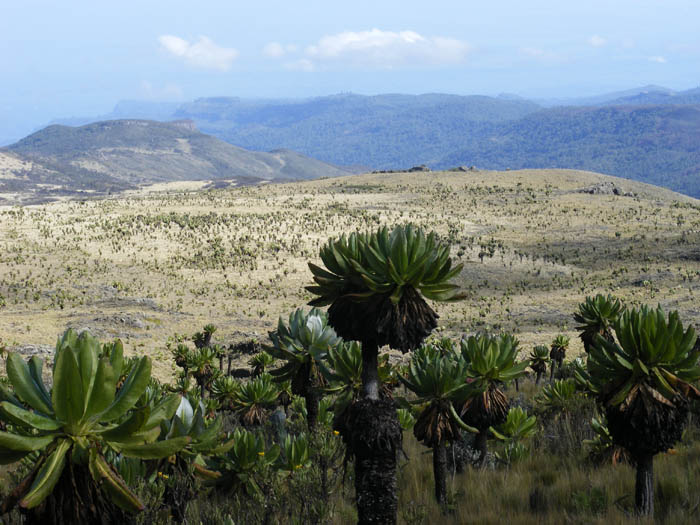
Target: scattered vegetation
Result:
[244, 450]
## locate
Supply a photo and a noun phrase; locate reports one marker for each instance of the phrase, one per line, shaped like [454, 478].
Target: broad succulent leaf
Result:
[83, 411]
[26, 388]
[48, 475]
[112, 483]
[294, 453]
[517, 426]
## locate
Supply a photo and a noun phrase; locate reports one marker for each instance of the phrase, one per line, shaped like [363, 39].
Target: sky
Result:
[72, 58]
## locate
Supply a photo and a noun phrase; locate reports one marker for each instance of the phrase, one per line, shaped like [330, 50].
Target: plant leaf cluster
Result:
[363, 265]
[304, 343]
[82, 415]
[655, 357]
[597, 315]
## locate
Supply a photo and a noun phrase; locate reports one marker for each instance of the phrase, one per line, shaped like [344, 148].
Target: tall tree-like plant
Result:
[260, 363]
[490, 364]
[557, 352]
[539, 358]
[203, 339]
[596, 316]
[375, 283]
[439, 383]
[200, 363]
[644, 384]
[224, 390]
[74, 423]
[304, 344]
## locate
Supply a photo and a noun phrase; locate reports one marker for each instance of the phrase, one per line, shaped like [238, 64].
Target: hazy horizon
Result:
[61, 63]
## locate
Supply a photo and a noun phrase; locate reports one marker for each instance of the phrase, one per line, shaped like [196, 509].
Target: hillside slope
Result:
[534, 243]
[655, 144]
[115, 155]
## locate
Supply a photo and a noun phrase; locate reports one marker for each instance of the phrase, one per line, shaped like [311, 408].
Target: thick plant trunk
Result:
[644, 486]
[312, 398]
[538, 377]
[375, 436]
[370, 375]
[440, 472]
[76, 499]
[480, 445]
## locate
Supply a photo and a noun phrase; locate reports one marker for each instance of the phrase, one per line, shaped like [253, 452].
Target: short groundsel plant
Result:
[72, 425]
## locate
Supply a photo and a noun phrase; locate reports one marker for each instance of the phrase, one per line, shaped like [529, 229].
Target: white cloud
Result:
[386, 49]
[277, 50]
[203, 53]
[658, 59]
[597, 41]
[274, 50]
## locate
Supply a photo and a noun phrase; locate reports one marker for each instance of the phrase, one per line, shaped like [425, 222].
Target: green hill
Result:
[121, 154]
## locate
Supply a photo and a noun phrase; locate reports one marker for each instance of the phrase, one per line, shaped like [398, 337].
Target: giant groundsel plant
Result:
[375, 284]
[75, 422]
[644, 384]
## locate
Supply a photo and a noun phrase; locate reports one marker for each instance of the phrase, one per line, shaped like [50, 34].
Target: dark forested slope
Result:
[654, 144]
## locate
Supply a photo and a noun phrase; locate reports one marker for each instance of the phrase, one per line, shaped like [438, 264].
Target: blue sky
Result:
[78, 57]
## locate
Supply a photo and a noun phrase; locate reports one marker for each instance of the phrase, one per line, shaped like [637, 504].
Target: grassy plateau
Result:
[147, 265]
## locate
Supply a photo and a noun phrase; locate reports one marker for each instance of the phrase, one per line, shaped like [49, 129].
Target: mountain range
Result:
[649, 133]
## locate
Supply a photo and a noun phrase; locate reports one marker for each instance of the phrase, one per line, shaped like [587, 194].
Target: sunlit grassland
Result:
[144, 267]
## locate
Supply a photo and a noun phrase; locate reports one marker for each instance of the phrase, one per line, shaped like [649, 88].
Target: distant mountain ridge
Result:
[115, 155]
[393, 131]
[605, 98]
[691, 96]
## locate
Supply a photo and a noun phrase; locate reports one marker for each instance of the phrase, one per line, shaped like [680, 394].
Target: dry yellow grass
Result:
[145, 266]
